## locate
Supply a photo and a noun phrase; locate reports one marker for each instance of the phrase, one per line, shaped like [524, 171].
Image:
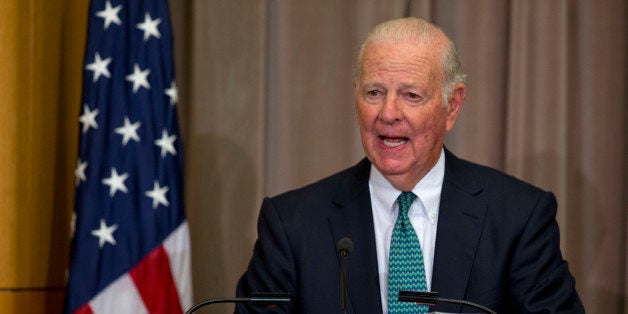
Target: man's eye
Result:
[373, 93]
[413, 96]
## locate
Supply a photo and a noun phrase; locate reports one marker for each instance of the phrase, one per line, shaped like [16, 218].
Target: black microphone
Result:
[431, 298]
[344, 247]
[255, 299]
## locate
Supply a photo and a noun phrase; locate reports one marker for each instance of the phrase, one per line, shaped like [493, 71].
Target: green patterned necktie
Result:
[405, 264]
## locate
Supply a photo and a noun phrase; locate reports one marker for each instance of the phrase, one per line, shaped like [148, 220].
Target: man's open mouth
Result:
[393, 141]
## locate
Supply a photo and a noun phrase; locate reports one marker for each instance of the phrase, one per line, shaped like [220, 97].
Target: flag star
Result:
[110, 14]
[128, 131]
[88, 118]
[149, 26]
[158, 194]
[105, 233]
[116, 182]
[166, 143]
[99, 67]
[139, 78]
[172, 92]
[79, 172]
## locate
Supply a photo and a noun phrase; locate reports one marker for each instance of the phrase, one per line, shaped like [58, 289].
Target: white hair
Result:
[410, 28]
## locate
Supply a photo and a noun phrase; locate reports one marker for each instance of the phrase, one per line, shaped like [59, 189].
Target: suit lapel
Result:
[354, 219]
[460, 223]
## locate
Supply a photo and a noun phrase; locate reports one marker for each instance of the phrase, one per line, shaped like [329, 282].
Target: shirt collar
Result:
[428, 189]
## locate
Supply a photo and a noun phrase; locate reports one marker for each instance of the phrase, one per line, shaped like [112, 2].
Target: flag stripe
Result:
[177, 245]
[85, 309]
[119, 297]
[154, 282]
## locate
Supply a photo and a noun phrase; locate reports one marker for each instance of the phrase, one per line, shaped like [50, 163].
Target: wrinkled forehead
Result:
[417, 55]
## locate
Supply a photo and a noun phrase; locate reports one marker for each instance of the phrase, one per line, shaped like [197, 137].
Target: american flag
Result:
[130, 247]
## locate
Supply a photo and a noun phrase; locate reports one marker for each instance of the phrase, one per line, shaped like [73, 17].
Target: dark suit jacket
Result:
[497, 245]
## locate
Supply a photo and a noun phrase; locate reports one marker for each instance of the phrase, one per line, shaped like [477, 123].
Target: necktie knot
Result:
[405, 200]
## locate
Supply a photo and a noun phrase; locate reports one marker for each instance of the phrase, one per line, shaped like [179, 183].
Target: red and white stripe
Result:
[159, 283]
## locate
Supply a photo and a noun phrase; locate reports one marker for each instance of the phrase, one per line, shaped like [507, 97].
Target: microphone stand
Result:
[255, 299]
[343, 280]
[431, 298]
[344, 247]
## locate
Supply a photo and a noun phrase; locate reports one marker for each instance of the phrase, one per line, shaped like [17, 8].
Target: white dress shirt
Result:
[423, 216]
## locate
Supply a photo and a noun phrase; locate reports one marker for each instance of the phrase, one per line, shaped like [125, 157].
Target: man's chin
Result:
[391, 168]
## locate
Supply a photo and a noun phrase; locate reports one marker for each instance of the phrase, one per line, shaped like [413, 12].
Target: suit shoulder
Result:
[494, 186]
[328, 187]
[509, 200]
[491, 178]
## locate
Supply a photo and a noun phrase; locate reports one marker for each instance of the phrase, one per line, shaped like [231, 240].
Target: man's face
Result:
[400, 109]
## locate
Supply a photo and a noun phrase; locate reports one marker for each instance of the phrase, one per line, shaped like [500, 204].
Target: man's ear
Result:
[455, 104]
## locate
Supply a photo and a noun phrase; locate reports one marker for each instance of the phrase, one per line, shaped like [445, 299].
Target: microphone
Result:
[431, 298]
[255, 299]
[344, 247]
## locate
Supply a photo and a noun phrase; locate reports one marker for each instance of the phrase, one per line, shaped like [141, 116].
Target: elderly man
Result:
[419, 217]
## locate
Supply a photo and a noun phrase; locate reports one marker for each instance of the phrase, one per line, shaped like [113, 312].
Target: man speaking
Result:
[420, 219]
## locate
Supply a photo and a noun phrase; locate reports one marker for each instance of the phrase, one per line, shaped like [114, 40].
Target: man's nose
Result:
[391, 110]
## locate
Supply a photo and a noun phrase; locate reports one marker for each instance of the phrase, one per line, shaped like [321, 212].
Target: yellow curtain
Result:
[41, 55]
